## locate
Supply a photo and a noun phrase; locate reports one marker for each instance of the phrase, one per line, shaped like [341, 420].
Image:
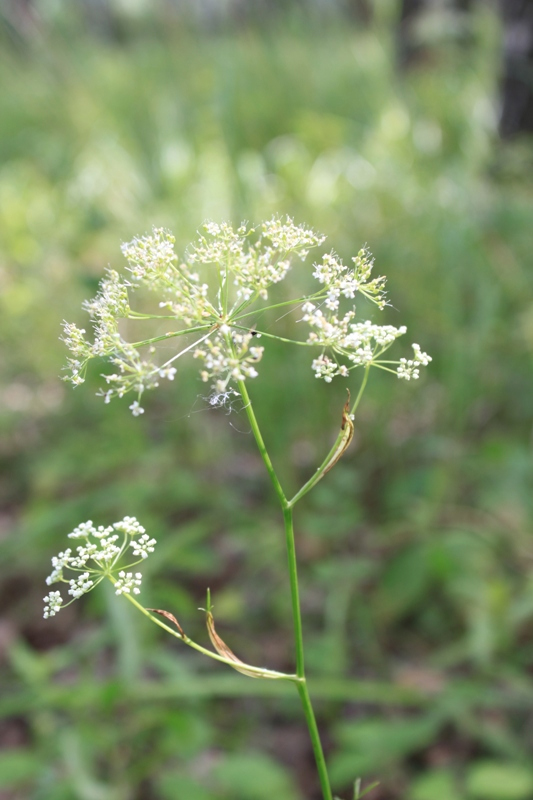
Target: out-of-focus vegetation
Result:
[416, 550]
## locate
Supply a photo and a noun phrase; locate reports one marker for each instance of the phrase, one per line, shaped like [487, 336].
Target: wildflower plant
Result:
[210, 301]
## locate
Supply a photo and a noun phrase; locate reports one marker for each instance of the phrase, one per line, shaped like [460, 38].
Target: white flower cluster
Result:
[144, 546]
[154, 264]
[206, 296]
[288, 237]
[53, 603]
[255, 265]
[80, 585]
[409, 367]
[361, 343]
[341, 280]
[97, 557]
[225, 364]
[239, 265]
[110, 305]
[128, 582]
[152, 258]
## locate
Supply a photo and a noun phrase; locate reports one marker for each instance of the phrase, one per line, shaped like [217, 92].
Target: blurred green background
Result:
[416, 550]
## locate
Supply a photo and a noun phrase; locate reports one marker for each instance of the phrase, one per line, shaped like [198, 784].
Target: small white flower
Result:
[127, 583]
[84, 554]
[420, 357]
[108, 549]
[168, 372]
[53, 603]
[143, 546]
[136, 409]
[408, 368]
[129, 525]
[325, 368]
[83, 530]
[101, 532]
[332, 302]
[80, 585]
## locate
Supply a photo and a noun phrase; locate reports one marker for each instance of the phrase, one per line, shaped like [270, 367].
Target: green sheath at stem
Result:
[320, 472]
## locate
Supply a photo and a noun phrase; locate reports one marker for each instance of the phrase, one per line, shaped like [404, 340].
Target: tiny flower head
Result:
[102, 552]
[53, 603]
[128, 582]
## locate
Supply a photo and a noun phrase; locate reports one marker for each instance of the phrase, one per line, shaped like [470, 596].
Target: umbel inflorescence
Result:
[208, 297]
[101, 554]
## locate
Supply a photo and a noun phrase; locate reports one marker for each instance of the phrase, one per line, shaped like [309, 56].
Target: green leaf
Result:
[253, 776]
[499, 780]
[435, 785]
[177, 786]
[17, 767]
[371, 745]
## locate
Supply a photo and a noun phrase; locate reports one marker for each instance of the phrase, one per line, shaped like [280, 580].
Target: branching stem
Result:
[303, 691]
[259, 671]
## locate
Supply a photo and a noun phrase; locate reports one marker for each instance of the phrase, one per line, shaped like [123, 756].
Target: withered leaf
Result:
[347, 429]
[223, 650]
[169, 616]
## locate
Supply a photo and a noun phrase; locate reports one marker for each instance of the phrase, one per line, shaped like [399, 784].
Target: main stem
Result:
[295, 600]
[303, 691]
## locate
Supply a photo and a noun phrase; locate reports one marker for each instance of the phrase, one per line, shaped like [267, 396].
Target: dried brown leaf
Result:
[223, 650]
[169, 616]
[347, 429]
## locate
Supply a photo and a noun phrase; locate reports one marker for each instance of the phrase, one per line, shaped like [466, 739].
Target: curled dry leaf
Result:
[347, 430]
[223, 650]
[169, 616]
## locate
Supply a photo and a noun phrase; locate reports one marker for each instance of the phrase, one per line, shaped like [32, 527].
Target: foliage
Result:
[417, 578]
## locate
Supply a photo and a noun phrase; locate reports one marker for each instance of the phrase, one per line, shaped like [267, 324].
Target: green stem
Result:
[319, 295]
[170, 335]
[295, 600]
[315, 740]
[274, 336]
[261, 445]
[300, 665]
[320, 472]
[295, 594]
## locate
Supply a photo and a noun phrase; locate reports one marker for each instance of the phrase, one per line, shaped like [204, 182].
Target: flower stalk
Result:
[207, 297]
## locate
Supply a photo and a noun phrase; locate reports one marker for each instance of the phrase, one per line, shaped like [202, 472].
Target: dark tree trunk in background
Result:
[19, 16]
[516, 88]
[410, 50]
[517, 80]
[407, 48]
[360, 10]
